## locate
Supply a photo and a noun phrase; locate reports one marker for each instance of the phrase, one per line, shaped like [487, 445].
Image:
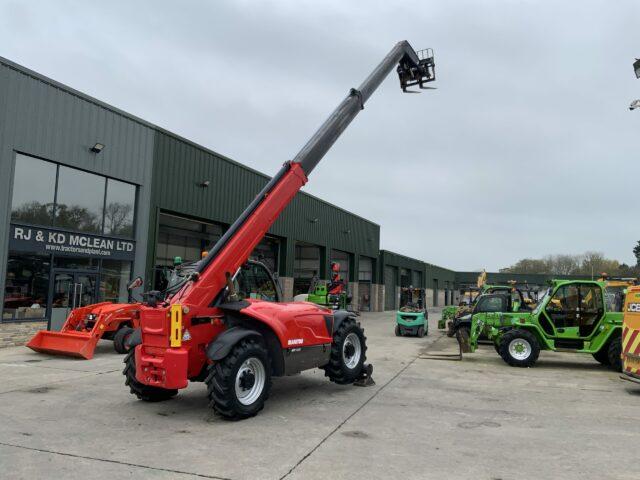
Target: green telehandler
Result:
[572, 316]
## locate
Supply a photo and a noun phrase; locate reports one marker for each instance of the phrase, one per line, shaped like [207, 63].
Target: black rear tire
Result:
[144, 392]
[602, 356]
[339, 369]
[398, 333]
[420, 332]
[614, 353]
[223, 375]
[120, 338]
[523, 339]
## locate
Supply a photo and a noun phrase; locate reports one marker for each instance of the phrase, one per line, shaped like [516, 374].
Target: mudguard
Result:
[340, 316]
[222, 345]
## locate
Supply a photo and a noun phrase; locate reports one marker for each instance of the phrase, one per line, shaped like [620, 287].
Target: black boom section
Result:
[403, 56]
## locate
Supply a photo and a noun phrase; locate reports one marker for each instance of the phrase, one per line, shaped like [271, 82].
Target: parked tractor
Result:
[572, 316]
[411, 318]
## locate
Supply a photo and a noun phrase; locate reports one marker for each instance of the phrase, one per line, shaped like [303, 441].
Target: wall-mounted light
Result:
[97, 148]
[346, 232]
[314, 220]
[204, 184]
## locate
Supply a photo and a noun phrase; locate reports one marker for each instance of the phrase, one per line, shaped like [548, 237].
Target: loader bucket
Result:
[70, 344]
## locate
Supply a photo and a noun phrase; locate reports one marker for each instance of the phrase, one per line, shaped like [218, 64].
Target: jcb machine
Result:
[573, 316]
[631, 336]
[213, 330]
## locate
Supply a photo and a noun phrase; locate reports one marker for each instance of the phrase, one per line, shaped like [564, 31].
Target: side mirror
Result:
[137, 282]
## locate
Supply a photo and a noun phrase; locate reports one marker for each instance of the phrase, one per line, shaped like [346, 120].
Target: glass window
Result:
[119, 209]
[34, 186]
[26, 287]
[80, 200]
[267, 253]
[489, 304]
[614, 298]
[115, 277]
[75, 263]
[253, 281]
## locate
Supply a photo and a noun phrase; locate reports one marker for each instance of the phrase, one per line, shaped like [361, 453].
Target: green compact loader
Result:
[412, 317]
[572, 316]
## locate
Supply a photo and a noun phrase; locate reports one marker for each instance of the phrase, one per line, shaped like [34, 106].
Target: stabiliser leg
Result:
[365, 379]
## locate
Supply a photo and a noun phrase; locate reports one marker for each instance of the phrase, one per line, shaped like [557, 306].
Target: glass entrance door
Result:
[71, 290]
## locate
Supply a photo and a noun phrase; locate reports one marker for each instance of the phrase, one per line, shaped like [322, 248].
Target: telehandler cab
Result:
[572, 316]
[234, 339]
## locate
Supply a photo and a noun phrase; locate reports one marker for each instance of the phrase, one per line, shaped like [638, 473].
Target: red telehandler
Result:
[211, 331]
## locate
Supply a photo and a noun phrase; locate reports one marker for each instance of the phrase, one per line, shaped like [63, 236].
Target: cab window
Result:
[614, 298]
[253, 281]
[490, 304]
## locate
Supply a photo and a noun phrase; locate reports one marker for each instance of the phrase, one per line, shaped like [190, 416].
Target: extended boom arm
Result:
[235, 247]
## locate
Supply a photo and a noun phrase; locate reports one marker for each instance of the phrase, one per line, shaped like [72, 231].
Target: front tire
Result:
[519, 348]
[614, 352]
[239, 384]
[398, 333]
[144, 392]
[348, 353]
[602, 355]
[420, 332]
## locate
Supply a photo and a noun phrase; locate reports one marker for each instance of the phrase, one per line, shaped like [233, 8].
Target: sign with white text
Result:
[45, 240]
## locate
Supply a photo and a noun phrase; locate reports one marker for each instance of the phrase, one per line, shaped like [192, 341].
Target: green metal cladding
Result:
[179, 166]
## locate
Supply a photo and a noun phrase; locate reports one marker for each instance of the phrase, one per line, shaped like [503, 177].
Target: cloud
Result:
[525, 149]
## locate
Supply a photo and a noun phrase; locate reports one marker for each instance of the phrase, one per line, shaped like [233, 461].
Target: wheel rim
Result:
[250, 381]
[351, 350]
[520, 349]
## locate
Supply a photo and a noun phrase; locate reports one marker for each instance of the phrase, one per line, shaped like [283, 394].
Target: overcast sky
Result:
[526, 148]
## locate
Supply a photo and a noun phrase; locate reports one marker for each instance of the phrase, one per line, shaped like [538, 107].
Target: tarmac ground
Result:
[566, 418]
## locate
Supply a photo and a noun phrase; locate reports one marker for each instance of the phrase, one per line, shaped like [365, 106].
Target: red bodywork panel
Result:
[303, 322]
[79, 335]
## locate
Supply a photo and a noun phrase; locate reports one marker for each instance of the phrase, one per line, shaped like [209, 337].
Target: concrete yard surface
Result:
[566, 418]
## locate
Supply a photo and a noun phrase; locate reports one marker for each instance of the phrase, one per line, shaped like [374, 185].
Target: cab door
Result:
[574, 311]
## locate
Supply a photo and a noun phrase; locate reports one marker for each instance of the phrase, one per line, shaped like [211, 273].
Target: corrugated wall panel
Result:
[180, 166]
[42, 118]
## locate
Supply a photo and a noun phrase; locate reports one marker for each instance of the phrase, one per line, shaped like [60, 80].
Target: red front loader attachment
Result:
[70, 344]
[83, 329]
